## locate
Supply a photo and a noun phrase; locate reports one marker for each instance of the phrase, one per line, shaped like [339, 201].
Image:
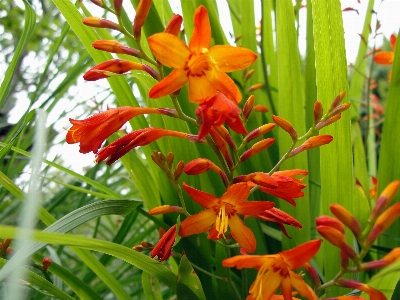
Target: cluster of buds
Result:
[5, 248]
[166, 164]
[143, 246]
[381, 217]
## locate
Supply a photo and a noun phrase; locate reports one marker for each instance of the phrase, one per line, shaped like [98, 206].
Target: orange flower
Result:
[216, 111]
[117, 66]
[387, 58]
[203, 67]
[277, 270]
[221, 212]
[280, 217]
[141, 137]
[372, 293]
[93, 131]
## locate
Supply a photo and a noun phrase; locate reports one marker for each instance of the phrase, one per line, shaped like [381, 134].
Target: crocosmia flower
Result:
[218, 110]
[93, 131]
[276, 271]
[203, 67]
[387, 58]
[223, 212]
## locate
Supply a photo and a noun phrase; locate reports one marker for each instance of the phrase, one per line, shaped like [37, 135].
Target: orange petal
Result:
[225, 85]
[231, 58]
[201, 37]
[173, 82]
[236, 193]
[169, 49]
[246, 261]
[204, 199]
[253, 208]
[393, 40]
[242, 234]
[301, 254]
[197, 223]
[200, 89]
[303, 288]
[384, 58]
[271, 281]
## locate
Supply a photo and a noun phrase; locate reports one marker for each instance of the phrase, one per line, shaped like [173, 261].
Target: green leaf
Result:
[188, 284]
[134, 258]
[30, 20]
[151, 287]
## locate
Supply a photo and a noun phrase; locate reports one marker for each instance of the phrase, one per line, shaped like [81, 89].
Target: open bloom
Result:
[221, 212]
[216, 111]
[387, 58]
[93, 131]
[277, 270]
[203, 67]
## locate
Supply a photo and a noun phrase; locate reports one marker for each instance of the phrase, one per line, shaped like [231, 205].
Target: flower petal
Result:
[173, 82]
[200, 89]
[201, 37]
[169, 49]
[236, 193]
[301, 254]
[242, 234]
[286, 288]
[303, 288]
[393, 40]
[252, 208]
[204, 199]
[197, 223]
[225, 85]
[384, 58]
[231, 58]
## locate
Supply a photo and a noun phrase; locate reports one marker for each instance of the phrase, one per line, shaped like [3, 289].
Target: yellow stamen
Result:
[221, 224]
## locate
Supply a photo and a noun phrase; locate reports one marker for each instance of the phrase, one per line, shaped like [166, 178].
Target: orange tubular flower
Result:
[277, 270]
[117, 66]
[221, 212]
[387, 58]
[216, 111]
[93, 131]
[312, 142]
[141, 137]
[203, 67]
[174, 25]
[373, 293]
[280, 217]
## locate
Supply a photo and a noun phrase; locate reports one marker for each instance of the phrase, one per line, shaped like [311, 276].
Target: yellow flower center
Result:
[225, 212]
[198, 63]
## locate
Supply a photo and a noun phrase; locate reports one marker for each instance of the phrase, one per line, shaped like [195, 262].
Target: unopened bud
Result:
[224, 133]
[141, 14]
[336, 238]
[170, 159]
[248, 75]
[248, 106]
[117, 66]
[312, 142]
[100, 23]
[344, 260]
[115, 47]
[285, 125]
[339, 98]
[259, 132]
[118, 6]
[384, 200]
[318, 111]
[313, 274]
[260, 108]
[347, 219]
[255, 87]
[165, 209]
[153, 73]
[138, 248]
[331, 222]
[170, 112]
[256, 148]
[98, 3]
[174, 25]
[46, 263]
[199, 166]
[339, 109]
[178, 170]
[327, 122]
[146, 245]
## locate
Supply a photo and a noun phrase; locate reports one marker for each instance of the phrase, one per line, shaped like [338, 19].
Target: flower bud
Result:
[260, 108]
[164, 246]
[224, 133]
[339, 98]
[46, 263]
[312, 142]
[138, 248]
[256, 148]
[248, 106]
[318, 111]
[221, 145]
[141, 14]
[248, 75]
[285, 125]
[118, 6]
[165, 209]
[100, 23]
[178, 170]
[174, 25]
[255, 87]
[115, 47]
[327, 122]
[391, 257]
[339, 109]
[336, 238]
[99, 3]
[313, 274]
[259, 131]
[347, 219]
[384, 200]
[199, 166]
[373, 293]
[117, 66]
[331, 222]
[170, 159]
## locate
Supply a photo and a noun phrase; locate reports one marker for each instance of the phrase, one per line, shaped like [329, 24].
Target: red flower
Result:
[164, 246]
[280, 217]
[93, 131]
[216, 111]
[222, 212]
